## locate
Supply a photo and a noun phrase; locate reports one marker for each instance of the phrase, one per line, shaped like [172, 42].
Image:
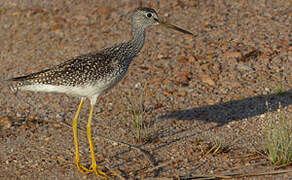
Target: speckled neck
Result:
[138, 39]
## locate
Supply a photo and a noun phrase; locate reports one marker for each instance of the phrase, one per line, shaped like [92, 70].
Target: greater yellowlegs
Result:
[91, 74]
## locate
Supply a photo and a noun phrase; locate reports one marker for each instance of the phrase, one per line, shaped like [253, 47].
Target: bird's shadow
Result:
[234, 110]
[221, 113]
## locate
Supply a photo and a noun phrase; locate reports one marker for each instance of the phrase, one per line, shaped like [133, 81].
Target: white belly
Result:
[81, 91]
[89, 90]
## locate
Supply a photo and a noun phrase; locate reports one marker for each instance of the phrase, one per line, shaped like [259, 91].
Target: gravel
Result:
[213, 87]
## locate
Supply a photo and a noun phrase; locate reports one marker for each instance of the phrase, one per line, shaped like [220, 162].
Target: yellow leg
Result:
[94, 168]
[80, 167]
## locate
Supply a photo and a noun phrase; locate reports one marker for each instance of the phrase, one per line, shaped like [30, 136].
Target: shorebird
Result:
[89, 75]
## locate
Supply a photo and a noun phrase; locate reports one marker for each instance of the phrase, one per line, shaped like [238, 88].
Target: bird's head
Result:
[144, 17]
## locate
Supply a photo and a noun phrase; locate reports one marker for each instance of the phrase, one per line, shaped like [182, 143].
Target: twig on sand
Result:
[159, 166]
[238, 175]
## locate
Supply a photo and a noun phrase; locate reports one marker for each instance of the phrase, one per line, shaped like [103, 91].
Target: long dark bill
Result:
[173, 27]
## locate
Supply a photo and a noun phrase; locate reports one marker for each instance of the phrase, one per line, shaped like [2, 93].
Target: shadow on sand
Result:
[220, 113]
[234, 110]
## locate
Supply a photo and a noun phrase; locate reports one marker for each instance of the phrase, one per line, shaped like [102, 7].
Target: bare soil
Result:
[218, 89]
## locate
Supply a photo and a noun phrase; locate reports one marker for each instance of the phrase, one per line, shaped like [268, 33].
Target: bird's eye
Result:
[149, 15]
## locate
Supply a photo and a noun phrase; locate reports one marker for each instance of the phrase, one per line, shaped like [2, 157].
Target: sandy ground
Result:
[220, 87]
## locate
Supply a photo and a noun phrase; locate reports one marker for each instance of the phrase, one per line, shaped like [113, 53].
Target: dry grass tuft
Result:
[138, 112]
[278, 139]
[217, 146]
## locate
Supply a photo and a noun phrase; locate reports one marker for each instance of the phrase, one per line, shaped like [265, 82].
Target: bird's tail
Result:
[18, 82]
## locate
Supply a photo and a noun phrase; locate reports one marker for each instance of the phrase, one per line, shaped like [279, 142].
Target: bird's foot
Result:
[82, 168]
[97, 170]
[93, 169]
